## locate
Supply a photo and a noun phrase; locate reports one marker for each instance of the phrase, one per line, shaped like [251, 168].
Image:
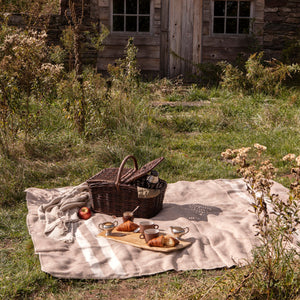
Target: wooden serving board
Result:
[133, 239]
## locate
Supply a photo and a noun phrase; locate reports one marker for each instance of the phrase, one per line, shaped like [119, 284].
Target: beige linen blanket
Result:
[217, 213]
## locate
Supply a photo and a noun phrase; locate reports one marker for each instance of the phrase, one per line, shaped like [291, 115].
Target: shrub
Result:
[274, 271]
[291, 53]
[209, 74]
[125, 74]
[260, 76]
[84, 99]
[27, 78]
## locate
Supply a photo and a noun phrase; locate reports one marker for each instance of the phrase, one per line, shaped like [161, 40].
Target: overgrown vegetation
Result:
[27, 79]
[273, 273]
[42, 146]
[259, 76]
[22, 6]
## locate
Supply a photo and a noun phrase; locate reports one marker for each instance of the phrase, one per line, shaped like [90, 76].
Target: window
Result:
[232, 17]
[131, 15]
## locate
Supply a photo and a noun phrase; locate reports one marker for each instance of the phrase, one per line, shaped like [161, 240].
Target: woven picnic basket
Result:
[114, 190]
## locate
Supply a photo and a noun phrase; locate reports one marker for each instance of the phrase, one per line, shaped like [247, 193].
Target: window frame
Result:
[132, 33]
[236, 18]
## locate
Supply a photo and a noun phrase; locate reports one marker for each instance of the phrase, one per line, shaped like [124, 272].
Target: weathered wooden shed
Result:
[173, 35]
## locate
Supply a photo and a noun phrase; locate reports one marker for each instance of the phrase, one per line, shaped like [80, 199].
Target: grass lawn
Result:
[190, 137]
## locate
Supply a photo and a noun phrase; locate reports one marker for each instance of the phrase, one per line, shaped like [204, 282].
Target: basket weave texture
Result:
[114, 190]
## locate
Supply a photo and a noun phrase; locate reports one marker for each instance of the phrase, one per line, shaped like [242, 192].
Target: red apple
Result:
[84, 213]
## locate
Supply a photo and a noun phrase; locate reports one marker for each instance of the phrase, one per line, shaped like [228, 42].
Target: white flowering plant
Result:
[274, 260]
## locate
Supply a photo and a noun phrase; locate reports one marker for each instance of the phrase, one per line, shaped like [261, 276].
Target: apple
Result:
[84, 213]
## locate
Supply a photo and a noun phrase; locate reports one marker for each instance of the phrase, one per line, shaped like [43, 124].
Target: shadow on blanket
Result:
[192, 212]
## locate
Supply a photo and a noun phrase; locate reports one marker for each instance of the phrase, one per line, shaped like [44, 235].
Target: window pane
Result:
[244, 25]
[219, 9]
[232, 8]
[244, 9]
[131, 7]
[131, 23]
[144, 6]
[231, 26]
[219, 25]
[118, 6]
[118, 23]
[144, 24]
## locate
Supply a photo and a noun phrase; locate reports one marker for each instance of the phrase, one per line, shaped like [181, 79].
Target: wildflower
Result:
[227, 154]
[238, 160]
[298, 160]
[289, 157]
[244, 150]
[260, 147]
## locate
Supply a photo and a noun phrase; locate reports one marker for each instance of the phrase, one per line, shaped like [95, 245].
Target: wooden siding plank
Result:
[197, 33]
[143, 52]
[164, 38]
[225, 42]
[186, 43]
[121, 40]
[103, 3]
[145, 64]
[104, 13]
[175, 35]
[218, 54]
[157, 3]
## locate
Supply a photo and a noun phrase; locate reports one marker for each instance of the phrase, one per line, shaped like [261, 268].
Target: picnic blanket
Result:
[217, 212]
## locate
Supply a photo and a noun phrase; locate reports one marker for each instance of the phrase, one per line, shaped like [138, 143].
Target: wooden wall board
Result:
[122, 39]
[143, 51]
[164, 38]
[218, 54]
[147, 64]
[157, 3]
[175, 19]
[197, 33]
[186, 43]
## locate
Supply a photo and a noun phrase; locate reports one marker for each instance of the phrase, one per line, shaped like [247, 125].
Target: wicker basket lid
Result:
[144, 170]
[110, 175]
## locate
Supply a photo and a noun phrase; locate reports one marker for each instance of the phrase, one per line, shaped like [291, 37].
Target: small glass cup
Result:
[128, 215]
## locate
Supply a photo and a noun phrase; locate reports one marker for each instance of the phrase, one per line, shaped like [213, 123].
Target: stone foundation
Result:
[282, 25]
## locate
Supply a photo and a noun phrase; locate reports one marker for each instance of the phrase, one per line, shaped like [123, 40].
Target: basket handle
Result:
[117, 183]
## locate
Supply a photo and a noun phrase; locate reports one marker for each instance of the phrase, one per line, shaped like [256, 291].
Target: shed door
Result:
[181, 46]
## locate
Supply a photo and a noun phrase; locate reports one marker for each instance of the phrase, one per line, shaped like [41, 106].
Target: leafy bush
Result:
[291, 53]
[83, 101]
[125, 73]
[37, 7]
[27, 79]
[260, 76]
[209, 74]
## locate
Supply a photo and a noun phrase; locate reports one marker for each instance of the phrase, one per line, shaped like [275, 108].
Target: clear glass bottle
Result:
[152, 179]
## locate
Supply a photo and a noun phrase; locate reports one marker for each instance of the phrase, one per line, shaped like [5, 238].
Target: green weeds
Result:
[259, 76]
